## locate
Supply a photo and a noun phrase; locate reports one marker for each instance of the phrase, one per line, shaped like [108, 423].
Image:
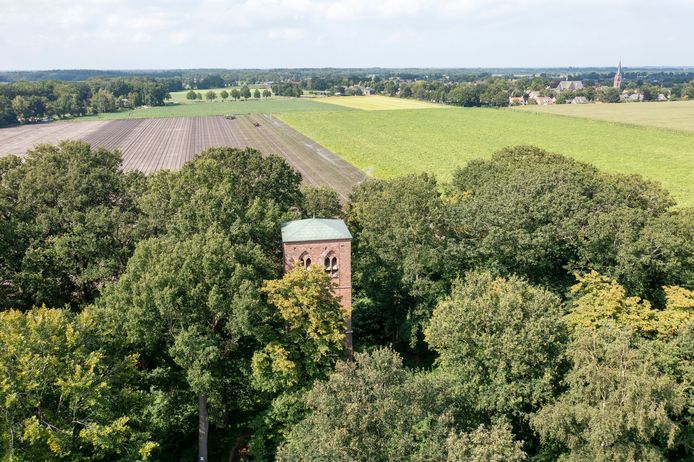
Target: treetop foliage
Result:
[63, 396]
[68, 224]
[534, 308]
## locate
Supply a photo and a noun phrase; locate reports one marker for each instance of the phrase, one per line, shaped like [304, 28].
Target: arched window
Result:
[305, 260]
[330, 264]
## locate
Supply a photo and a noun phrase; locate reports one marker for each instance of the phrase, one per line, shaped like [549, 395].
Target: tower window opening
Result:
[305, 260]
[330, 264]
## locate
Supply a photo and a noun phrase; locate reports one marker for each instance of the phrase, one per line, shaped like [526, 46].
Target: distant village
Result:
[574, 92]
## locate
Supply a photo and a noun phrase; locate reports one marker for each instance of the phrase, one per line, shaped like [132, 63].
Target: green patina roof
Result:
[314, 229]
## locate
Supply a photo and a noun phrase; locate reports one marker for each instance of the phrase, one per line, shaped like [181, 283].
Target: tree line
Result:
[32, 101]
[532, 308]
[235, 94]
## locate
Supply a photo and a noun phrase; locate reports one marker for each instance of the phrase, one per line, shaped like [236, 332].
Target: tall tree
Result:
[321, 202]
[70, 213]
[359, 413]
[303, 338]
[64, 398]
[539, 214]
[503, 340]
[190, 304]
[618, 406]
[189, 300]
[400, 256]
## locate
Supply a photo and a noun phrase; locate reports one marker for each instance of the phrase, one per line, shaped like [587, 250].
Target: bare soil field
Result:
[17, 140]
[149, 145]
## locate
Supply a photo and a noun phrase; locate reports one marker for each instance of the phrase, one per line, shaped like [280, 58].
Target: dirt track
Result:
[155, 144]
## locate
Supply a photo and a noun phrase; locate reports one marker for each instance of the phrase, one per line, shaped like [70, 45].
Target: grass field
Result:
[676, 115]
[263, 106]
[378, 103]
[390, 143]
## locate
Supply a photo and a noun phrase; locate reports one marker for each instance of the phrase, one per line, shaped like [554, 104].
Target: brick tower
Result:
[328, 243]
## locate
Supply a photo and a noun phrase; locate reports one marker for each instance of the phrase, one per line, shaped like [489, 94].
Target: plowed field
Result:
[149, 145]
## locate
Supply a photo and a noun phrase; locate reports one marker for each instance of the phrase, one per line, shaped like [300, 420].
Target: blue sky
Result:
[157, 34]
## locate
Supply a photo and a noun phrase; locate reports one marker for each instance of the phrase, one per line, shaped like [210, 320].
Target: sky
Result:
[175, 34]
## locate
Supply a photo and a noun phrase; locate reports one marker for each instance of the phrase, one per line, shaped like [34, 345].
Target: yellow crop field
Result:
[378, 103]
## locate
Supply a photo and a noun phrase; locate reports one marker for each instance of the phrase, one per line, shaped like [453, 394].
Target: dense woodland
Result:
[534, 308]
[35, 101]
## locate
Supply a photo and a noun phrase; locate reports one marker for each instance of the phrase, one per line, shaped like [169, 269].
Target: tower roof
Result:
[314, 229]
[619, 67]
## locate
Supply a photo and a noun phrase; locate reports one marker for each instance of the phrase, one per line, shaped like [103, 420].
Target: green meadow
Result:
[252, 106]
[393, 142]
[676, 115]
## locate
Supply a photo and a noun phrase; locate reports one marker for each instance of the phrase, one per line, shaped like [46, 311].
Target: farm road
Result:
[149, 145]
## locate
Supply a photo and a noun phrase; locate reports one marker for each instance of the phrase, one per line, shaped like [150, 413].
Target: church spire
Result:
[618, 76]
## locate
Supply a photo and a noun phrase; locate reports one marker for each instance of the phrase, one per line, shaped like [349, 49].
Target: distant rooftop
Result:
[314, 229]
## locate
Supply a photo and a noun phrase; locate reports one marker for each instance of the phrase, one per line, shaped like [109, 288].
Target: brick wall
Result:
[317, 251]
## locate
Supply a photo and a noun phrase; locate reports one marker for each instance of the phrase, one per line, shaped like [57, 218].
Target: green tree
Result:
[618, 406]
[190, 304]
[211, 95]
[307, 336]
[238, 190]
[400, 256]
[303, 338]
[503, 340]
[8, 116]
[267, 93]
[224, 95]
[610, 95]
[28, 108]
[321, 202]
[103, 101]
[63, 397]
[361, 411]
[662, 254]
[198, 95]
[189, 301]
[191, 95]
[135, 99]
[69, 220]
[541, 215]
[236, 94]
[256, 94]
[245, 92]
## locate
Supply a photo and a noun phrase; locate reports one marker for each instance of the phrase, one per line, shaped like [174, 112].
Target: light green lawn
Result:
[379, 103]
[676, 115]
[262, 106]
[180, 96]
[390, 143]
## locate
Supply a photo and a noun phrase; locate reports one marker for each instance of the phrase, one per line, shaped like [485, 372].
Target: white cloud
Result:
[152, 33]
[286, 33]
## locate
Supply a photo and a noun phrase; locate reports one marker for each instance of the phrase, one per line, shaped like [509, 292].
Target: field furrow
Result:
[150, 145]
